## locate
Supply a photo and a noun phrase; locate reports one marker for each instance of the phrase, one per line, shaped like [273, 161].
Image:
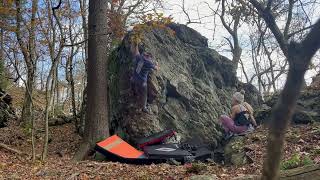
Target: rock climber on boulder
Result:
[144, 63]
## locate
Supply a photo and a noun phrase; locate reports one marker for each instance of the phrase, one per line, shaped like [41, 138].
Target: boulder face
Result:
[307, 109]
[6, 111]
[189, 92]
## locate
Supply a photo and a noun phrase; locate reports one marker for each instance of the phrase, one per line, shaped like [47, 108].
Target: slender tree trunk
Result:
[244, 71]
[82, 112]
[70, 79]
[69, 74]
[237, 51]
[49, 102]
[97, 123]
[29, 55]
[256, 65]
[57, 89]
[47, 111]
[26, 110]
[283, 111]
[299, 56]
[67, 97]
[29, 94]
[53, 102]
[273, 80]
[82, 104]
[83, 4]
[2, 74]
[55, 56]
[42, 83]
[233, 31]
[74, 108]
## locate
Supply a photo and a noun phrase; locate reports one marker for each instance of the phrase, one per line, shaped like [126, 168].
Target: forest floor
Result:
[302, 141]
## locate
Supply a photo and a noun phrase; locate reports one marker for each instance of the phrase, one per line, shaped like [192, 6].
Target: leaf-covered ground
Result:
[302, 140]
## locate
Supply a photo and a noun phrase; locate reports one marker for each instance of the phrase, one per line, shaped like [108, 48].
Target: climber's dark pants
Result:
[140, 90]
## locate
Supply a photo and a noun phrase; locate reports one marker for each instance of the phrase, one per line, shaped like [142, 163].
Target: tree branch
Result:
[58, 6]
[75, 44]
[223, 7]
[4, 146]
[18, 31]
[261, 73]
[296, 32]
[58, 22]
[230, 43]
[271, 23]
[311, 43]
[304, 11]
[286, 29]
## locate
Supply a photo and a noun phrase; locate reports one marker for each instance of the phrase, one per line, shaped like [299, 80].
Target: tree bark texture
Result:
[96, 125]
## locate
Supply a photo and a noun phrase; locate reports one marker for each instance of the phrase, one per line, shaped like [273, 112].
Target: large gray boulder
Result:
[307, 109]
[6, 111]
[191, 90]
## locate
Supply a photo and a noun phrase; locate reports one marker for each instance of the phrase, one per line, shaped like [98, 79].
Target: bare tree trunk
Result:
[57, 89]
[47, 111]
[26, 110]
[69, 63]
[97, 123]
[70, 79]
[50, 90]
[55, 56]
[83, 4]
[31, 110]
[82, 112]
[29, 55]
[67, 97]
[82, 92]
[237, 51]
[233, 31]
[82, 104]
[244, 71]
[299, 56]
[42, 83]
[73, 97]
[53, 102]
[284, 110]
[49, 102]
[273, 80]
[2, 74]
[256, 64]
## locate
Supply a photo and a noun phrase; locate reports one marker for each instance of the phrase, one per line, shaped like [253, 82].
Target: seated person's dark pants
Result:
[141, 92]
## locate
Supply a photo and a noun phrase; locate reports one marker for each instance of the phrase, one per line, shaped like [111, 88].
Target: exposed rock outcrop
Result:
[307, 109]
[191, 90]
[6, 111]
[235, 153]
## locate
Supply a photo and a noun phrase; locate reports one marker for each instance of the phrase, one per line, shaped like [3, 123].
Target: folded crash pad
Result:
[154, 139]
[114, 148]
